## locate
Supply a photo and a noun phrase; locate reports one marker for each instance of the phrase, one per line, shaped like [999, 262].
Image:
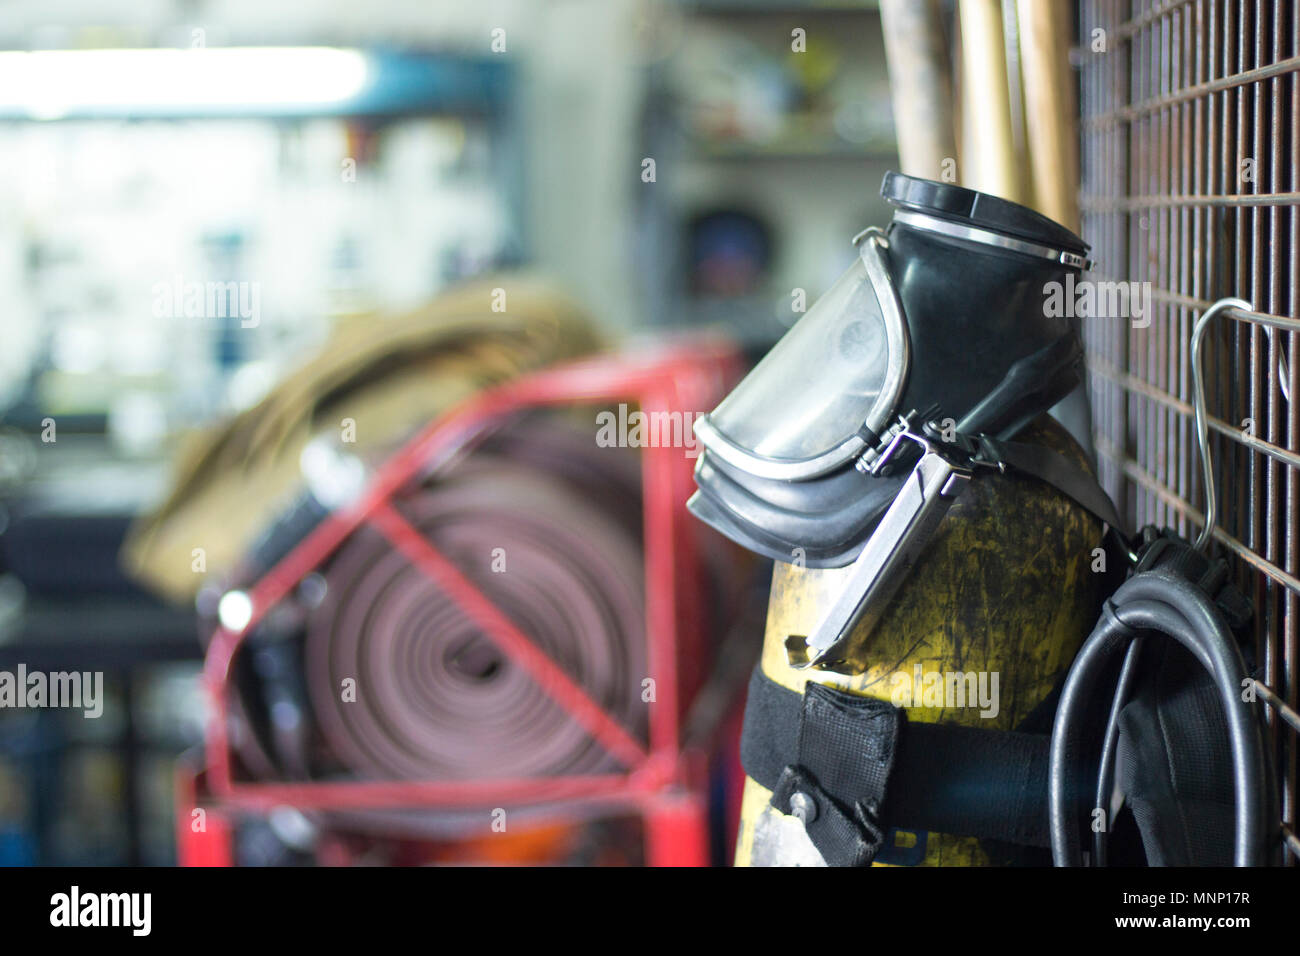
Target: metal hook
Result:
[1202, 425]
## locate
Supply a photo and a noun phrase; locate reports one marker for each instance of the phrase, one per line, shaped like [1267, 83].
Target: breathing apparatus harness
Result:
[1013, 787]
[853, 769]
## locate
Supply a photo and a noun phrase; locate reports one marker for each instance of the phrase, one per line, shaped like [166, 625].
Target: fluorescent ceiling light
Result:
[48, 84]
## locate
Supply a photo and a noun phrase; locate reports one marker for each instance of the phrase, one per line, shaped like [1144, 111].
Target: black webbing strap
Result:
[852, 767]
[840, 800]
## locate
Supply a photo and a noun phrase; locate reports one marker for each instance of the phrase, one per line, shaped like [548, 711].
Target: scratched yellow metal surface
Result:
[1005, 586]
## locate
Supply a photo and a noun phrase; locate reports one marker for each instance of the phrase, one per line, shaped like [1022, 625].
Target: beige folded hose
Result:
[380, 378]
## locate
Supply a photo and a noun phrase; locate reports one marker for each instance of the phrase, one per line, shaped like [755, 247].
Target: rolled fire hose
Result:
[525, 519]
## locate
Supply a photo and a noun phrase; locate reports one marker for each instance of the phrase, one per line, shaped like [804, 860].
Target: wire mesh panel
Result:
[1191, 159]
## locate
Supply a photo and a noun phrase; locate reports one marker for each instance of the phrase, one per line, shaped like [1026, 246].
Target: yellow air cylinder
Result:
[1006, 587]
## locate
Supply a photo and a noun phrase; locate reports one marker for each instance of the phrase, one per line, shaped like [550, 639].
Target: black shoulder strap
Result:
[1056, 470]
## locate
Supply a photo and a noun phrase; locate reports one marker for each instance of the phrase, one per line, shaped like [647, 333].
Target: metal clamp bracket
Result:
[937, 480]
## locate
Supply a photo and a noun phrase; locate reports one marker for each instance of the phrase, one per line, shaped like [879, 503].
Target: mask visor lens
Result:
[822, 381]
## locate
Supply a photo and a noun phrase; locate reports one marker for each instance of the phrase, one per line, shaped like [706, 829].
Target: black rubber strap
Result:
[1056, 470]
[876, 770]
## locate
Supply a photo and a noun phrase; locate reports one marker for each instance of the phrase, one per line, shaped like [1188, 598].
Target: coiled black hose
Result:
[1153, 603]
[1106, 775]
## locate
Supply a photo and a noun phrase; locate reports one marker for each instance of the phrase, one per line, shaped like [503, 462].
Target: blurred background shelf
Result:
[748, 101]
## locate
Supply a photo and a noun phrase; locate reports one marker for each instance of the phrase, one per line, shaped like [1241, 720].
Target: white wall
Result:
[580, 93]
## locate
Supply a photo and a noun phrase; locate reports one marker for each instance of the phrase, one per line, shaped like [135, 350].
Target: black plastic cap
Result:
[978, 209]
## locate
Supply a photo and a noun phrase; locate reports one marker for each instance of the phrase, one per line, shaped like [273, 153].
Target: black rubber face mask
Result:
[943, 311]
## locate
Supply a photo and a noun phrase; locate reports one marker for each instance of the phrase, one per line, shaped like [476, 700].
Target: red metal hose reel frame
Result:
[662, 782]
